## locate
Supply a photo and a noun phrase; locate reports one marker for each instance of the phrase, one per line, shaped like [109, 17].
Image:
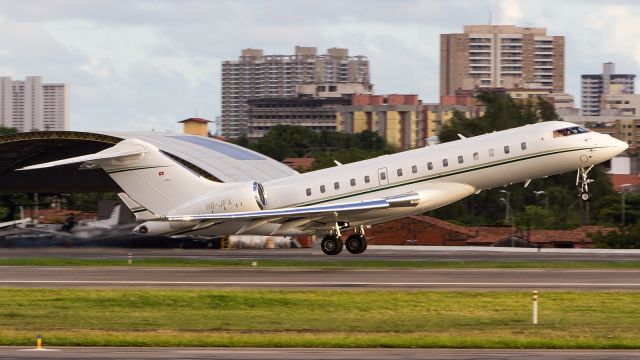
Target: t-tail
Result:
[149, 178]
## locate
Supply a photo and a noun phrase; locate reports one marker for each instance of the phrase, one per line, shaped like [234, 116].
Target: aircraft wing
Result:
[333, 210]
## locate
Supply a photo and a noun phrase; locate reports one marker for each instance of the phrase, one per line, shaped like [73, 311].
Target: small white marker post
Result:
[254, 264]
[130, 258]
[535, 308]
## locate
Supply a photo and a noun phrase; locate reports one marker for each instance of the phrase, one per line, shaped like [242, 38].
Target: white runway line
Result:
[317, 283]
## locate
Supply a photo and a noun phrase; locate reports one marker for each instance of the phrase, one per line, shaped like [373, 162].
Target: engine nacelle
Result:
[231, 198]
[248, 196]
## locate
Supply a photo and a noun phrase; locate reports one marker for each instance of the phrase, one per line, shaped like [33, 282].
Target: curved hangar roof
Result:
[213, 159]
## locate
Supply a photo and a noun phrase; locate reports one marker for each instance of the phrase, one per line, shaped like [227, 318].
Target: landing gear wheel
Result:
[356, 244]
[582, 181]
[331, 245]
[584, 196]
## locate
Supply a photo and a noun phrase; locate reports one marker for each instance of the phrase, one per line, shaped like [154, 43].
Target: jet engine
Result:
[230, 198]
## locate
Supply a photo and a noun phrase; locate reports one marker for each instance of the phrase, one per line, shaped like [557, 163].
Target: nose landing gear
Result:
[582, 182]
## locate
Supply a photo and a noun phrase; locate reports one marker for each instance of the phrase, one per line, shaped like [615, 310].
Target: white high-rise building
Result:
[595, 86]
[256, 75]
[30, 105]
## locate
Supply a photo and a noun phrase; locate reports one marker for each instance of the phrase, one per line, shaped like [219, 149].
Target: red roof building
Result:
[425, 230]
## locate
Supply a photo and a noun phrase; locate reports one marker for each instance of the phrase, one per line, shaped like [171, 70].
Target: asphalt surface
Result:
[212, 278]
[311, 354]
[373, 253]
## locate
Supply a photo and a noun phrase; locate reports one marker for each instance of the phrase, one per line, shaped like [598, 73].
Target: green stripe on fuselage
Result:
[445, 174]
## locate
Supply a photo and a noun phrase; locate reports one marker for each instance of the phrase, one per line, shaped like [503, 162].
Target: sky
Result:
[140, 65]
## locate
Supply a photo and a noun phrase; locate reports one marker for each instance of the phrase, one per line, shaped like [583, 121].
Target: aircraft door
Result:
[383, 177]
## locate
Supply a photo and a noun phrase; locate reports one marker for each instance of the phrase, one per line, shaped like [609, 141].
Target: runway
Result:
[374, 252]
[310, 354]
[212, 278]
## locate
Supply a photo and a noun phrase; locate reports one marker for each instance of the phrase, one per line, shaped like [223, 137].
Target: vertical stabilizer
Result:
[150, 178]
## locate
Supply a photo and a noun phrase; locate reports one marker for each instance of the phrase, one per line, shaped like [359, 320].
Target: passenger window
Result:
[336, 185]
[383, 176]
[445, 162]
[523, 145]
[506, 149]
[308, 192]
[367, 179]
[430, 165]
[460, 159]
[322, 189]
[476, 156]
[353, 182]
[491, 153]
[414, 169]
[399, 172]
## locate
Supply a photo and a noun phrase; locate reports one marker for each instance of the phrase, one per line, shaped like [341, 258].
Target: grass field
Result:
[322, 318]
[428, 264]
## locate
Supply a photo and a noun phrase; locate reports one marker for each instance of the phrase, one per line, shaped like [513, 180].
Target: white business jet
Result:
[353, 196]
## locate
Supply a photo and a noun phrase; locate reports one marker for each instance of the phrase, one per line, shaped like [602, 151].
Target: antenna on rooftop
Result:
[490, 17]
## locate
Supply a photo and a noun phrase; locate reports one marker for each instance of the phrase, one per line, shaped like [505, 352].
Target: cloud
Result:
[510, 12]
[145, 64]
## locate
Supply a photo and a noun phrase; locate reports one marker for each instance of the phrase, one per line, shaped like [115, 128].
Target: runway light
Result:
[535, 308]
[39, 342]
[254, 264]
[130, 258]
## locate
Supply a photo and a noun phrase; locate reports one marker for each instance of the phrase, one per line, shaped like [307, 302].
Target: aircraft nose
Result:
[619, 145]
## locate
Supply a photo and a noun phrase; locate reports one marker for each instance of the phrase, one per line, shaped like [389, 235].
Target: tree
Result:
[7, 130]
[564, 209]
[624, 238]
[283, 141]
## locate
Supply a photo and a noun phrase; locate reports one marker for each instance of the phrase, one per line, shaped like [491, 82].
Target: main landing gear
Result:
[355, 243]
[582, 181]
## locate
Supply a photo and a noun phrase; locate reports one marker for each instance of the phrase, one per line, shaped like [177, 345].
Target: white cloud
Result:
[510, 12]
[148, 64]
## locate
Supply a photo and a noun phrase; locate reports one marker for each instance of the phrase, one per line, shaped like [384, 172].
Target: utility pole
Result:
[623, 203]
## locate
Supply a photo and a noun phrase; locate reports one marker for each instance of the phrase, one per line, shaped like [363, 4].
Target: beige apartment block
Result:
[256, 75]
[619, 103]
[397, 118]
[501, 56]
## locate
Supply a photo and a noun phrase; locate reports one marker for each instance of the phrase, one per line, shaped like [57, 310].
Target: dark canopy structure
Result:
[214, 159]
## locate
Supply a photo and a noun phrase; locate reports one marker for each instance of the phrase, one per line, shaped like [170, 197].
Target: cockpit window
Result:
[574, 130]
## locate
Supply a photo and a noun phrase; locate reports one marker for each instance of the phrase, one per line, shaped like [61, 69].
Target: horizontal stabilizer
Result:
[108, 154]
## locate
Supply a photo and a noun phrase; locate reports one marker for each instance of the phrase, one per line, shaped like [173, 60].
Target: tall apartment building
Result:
[30, 105]
[501, 56]
[255, 75]
[595, 86]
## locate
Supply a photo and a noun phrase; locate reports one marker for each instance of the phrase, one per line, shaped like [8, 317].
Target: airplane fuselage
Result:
[439, 174]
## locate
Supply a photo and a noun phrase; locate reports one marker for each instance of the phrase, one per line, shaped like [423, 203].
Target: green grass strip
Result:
[407, 264]
[318, 318]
